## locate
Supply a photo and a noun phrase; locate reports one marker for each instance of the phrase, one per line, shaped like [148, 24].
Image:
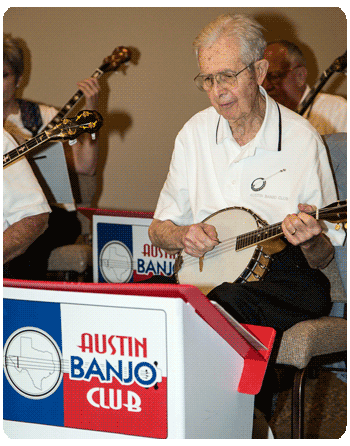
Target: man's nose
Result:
[218, 85]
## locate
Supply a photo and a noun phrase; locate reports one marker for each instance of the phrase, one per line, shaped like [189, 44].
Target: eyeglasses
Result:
[205, 82]
[277, 76]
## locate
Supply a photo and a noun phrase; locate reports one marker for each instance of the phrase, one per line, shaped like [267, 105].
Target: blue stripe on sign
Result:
[45, 316]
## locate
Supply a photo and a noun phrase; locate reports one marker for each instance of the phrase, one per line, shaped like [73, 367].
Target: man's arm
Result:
[196, 239]
[18, 237]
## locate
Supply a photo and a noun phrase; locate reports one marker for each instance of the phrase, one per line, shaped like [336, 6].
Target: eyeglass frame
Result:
[213, 76]
[283, 75]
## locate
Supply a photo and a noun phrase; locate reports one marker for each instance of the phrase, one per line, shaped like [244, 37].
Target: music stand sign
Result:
[130, 360]
[122, 251]
[80, 366]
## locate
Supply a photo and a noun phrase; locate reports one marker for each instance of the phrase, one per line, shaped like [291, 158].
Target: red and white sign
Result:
[115, 376]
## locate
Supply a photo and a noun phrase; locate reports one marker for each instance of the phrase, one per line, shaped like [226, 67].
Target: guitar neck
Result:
[73, 101]
[18, 152]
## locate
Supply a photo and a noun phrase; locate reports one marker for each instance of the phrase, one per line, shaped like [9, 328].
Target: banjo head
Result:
[223, 263]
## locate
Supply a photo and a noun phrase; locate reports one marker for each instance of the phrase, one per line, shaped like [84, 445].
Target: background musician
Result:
[24, 119]
[286, 83]
[243, 136]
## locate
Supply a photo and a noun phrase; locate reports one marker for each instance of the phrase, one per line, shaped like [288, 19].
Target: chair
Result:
[311, 343]
[74, 262]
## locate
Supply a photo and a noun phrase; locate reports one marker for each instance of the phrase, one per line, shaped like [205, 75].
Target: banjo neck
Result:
[333, 212]
[119, 56]
[71, 103]
[260, 235]
[338, 66]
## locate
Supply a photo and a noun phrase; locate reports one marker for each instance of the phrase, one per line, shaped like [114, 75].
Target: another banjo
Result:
[247, 244]
[87, 121]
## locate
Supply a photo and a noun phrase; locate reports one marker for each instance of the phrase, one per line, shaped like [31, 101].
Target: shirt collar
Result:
[267, 137]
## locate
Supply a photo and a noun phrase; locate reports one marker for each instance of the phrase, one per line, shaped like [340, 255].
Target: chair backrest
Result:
[338, 293]
[337, 154]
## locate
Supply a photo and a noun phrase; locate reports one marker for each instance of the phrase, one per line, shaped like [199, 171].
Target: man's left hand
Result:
[91, 88]
[301, 228]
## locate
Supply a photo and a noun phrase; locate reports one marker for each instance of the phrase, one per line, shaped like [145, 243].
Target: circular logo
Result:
[258, 184]
[116, 262]
[33, 363]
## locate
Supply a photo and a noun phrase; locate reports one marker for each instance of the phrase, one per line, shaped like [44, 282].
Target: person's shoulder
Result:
[331, 98]
[201, 118]
[9, 142]
[296, 120]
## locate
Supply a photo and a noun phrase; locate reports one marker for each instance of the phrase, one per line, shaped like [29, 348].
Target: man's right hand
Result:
[199, 239]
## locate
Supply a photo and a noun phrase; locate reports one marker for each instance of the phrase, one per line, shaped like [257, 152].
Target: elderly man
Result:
[286, 83]
[248, 151]
[25, 209]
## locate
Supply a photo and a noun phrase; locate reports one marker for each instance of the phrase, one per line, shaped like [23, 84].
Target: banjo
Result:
[247, 244]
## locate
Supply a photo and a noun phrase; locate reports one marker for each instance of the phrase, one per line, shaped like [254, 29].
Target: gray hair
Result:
[13, 55]
[246, 29]
[294, 52]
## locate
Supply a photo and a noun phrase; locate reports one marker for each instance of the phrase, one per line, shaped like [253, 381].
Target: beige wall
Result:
[146, 106]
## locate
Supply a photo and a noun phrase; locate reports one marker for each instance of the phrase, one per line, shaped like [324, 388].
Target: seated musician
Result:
[286, 83]
[247, 150]
[24, 119]
[25, 208]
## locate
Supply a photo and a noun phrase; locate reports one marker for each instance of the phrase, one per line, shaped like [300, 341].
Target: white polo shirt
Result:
[327, 113]
[209, 171]
[22, 195]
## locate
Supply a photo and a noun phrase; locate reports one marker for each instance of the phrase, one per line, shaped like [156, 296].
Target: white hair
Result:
[246, 29]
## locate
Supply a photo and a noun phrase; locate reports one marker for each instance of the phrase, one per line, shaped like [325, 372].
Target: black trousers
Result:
[289, 293]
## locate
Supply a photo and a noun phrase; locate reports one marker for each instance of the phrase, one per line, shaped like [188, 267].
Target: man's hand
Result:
[301, 228]
[304, 231]
[199, 239]
[91, 89]
[195, 240]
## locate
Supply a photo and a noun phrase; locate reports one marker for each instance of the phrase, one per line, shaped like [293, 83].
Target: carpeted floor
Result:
[325, 409]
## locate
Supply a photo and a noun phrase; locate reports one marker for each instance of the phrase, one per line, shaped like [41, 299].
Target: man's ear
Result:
[261, 67]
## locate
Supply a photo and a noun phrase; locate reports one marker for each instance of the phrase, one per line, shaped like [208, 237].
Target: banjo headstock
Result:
[87, 121]
[119, 56]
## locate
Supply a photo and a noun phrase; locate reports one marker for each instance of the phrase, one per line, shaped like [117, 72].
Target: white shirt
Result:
[209, 171]
[15, 127]
[22, 195]
[327, 113]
